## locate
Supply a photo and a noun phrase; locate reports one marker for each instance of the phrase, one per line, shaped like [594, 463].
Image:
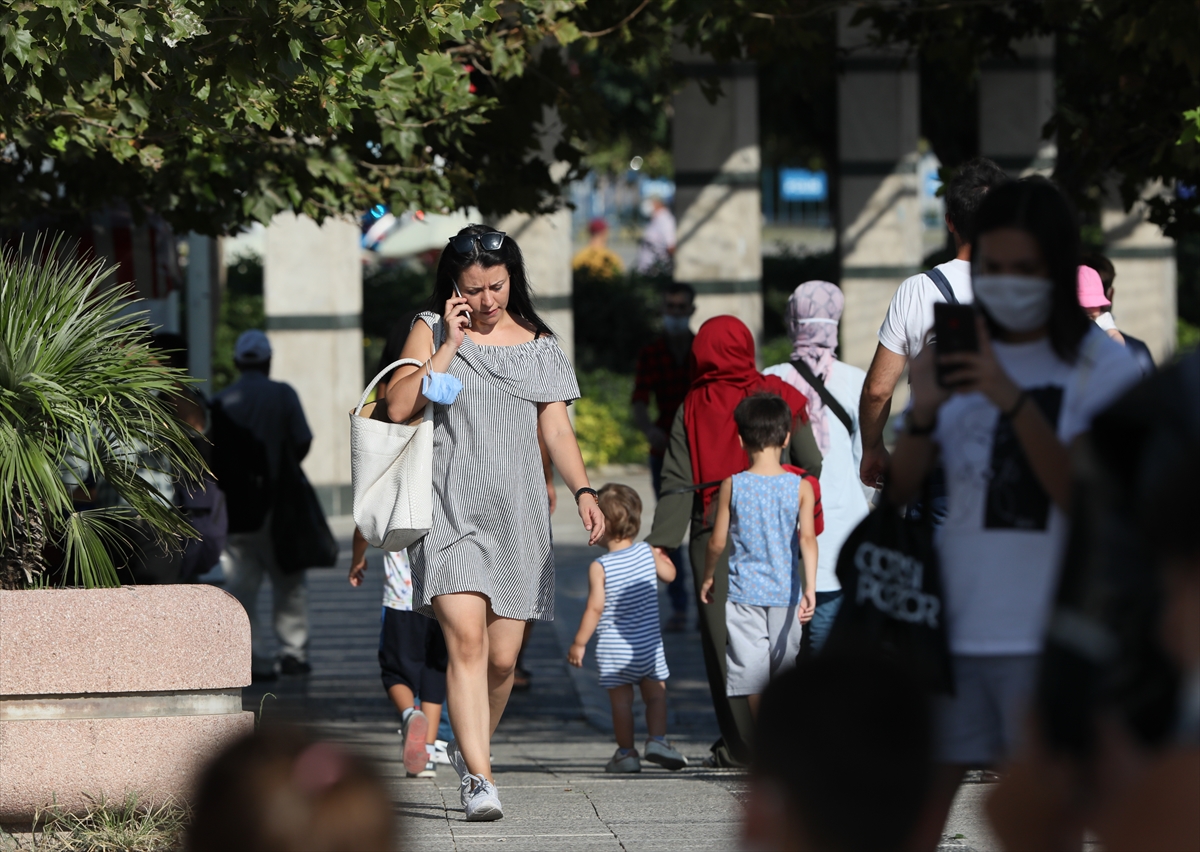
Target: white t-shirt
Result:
[1002, 540]
[910, 314]
[843, 497]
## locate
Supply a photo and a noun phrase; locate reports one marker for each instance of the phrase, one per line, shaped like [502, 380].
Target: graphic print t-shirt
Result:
[397, 580]
[1002, 540]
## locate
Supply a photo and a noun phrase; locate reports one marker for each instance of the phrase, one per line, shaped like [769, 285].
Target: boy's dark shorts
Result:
[412, 652]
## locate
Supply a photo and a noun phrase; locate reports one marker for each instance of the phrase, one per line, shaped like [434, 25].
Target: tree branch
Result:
[618, 25]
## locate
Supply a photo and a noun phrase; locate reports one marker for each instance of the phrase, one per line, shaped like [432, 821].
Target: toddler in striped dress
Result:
[622, 609]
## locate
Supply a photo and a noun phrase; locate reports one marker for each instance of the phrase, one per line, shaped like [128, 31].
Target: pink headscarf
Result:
[813, 311]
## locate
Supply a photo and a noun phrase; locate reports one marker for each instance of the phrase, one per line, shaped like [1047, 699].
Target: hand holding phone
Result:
[954, 330]
[458, 293]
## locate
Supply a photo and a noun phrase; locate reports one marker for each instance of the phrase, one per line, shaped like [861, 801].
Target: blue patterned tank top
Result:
[764, 549]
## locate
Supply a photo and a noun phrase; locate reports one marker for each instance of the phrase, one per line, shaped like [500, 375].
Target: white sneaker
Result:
[414, 730]
[664, 754]
[624, 762]
[430, 771]
[480, 800]
[455, 759]
[439, 754]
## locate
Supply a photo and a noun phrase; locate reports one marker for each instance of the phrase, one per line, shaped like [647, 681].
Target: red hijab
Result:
[723, 374]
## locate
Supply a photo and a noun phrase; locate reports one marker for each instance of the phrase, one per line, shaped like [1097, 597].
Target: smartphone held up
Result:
[954, 331]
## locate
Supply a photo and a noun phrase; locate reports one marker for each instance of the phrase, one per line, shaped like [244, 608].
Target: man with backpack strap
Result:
[910, 314]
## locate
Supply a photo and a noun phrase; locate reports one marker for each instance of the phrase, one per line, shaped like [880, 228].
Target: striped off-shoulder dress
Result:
[491, 515]
[629, 644]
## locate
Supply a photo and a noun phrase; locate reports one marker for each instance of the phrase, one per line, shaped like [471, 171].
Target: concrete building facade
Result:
[312, 297]
[718, 196]
[878, 206]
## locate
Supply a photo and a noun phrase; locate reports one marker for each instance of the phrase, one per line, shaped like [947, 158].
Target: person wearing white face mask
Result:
[1003, 431]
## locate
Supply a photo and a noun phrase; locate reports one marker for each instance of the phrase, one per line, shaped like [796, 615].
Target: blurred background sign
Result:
[802, 185]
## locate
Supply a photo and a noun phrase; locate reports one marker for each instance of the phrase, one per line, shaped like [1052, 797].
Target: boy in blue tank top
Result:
[759, 513]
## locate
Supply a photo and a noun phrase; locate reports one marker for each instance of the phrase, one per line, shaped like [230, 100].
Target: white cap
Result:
[252, 347]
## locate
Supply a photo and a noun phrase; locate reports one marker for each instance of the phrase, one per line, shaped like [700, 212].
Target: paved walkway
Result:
[550, 750]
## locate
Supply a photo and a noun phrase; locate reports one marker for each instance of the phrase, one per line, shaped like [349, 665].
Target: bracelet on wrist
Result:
[918, 431]
[1016, 406]
[586, 490]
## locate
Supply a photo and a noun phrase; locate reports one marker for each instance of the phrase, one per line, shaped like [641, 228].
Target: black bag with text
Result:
[892, 600]
[299, 531]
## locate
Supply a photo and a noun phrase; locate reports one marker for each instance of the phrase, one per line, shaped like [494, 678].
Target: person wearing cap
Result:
[1137, 348]
[596, 258]
[272, 413]
[1095, 304]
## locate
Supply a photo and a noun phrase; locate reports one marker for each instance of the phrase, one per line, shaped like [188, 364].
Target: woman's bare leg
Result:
[504, 644]
[464, 620]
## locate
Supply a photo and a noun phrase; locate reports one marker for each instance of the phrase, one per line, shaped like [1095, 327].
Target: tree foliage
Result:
[1128, 85]
[217, 112]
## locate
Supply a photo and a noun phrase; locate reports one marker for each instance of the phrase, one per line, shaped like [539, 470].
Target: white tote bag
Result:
[392, 472]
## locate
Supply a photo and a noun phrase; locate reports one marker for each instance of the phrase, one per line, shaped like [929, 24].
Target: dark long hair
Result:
[452, 264]
[1036, 206]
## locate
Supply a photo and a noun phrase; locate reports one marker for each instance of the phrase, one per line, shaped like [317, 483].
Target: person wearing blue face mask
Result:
[1003, 428]
[487, 565]
[664, 372]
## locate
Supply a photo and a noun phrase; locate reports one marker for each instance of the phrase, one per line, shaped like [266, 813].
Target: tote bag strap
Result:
[403, 362]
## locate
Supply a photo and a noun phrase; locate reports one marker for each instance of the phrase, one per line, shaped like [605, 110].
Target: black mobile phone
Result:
[954, 331]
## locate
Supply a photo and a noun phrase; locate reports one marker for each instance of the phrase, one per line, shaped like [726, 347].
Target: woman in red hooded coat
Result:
[704, 448]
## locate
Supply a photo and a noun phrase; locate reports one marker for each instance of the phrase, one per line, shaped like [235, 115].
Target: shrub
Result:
[604, 420]
[81, 389]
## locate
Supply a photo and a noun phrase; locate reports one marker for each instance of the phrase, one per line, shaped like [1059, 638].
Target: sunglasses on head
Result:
[464, 243]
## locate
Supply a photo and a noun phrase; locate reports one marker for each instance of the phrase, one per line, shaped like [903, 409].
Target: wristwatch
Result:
[586, 490]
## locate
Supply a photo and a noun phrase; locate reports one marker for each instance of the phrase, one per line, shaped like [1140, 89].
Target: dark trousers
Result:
[733, 714]
[677, 591]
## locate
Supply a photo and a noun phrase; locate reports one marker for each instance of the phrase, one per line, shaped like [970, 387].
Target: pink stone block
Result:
[133, 639]
[68, 761]
[106, 692]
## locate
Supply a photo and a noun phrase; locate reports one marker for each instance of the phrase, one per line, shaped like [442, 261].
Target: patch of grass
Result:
[107, 827]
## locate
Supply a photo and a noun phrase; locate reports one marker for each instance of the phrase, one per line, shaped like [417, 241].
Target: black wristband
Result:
[921, 431]
[1016, 406]
[586, 490]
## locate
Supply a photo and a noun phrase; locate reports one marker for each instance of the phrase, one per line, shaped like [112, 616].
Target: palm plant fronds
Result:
[82, 392]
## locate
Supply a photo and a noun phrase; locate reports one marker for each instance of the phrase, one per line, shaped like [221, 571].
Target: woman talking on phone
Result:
[1003, 419]
[486, 567]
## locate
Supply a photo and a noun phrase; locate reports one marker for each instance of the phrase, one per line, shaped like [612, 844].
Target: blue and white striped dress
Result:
[629, 643]
[491, 515]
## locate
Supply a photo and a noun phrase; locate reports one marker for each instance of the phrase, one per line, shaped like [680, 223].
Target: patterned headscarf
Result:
[813, 311]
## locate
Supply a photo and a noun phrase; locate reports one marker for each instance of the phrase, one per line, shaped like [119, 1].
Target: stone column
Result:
[545, 243]
[202, 291]
[1144, 288]
[312, 295]
[878, 205]
[718, 199]
[1016, 99]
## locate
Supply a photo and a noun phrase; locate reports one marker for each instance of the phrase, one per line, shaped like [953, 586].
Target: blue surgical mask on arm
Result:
[441, 388]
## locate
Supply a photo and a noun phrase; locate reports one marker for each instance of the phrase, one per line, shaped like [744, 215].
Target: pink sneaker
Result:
[415, 727]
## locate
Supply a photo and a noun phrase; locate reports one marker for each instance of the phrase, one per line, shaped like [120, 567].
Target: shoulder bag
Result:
[391, 468]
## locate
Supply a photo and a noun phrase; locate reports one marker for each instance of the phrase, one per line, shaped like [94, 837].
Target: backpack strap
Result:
[826, 397]
[940, 281]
